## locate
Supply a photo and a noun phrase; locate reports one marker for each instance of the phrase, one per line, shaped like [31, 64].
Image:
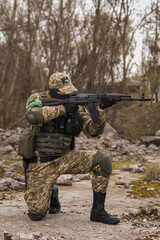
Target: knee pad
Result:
[36, 216]
[105, 163]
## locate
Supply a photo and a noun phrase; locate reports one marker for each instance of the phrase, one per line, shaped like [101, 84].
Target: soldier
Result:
[55, 128]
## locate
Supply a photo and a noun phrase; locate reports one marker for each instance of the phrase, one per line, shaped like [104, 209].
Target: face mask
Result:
[54, 94]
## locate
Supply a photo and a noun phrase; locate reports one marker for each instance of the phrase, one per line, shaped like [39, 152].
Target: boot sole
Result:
[105, 222]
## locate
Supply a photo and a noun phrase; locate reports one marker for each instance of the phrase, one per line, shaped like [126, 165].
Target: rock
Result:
[18, 130]
[17, 165]
[84, 148]
[120, 183]
[8, 134]
[75, 179]
[83, 176]
[147, 140]
[114, 146]
[139, 170]
[6, 149]
[135, 212]
[140, 149]
[2, 130]
[6, 168]
[127, 168]
[13, 139]
[157, 133]
[23, 236]
[101, 142]
[150, 189]
[7, 174]
[65, 180]
[110, 133]
[17, 176]
[3, 138]
[153, 147]
[37, 235]
[7, 184]
[133, 168]
[7, 235]
[7, 197]
[141, 152]
[154, 160]
[4, 142]
[142, 146]
[126, 185]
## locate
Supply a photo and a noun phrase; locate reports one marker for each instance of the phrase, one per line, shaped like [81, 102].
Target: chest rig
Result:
[54, 138]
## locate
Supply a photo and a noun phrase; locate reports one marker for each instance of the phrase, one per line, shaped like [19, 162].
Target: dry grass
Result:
[153, 172]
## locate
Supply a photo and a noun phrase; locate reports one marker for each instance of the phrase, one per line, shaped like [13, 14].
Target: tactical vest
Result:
[52, 139]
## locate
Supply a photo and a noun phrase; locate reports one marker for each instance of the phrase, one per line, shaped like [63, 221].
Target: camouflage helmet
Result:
[61, 82]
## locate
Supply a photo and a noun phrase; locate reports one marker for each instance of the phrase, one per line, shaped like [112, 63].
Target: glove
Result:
[105, 103]
[74, 126]
[71, 108]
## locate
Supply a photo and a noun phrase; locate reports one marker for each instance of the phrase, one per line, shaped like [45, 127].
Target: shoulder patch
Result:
[30, 100]
[34, 99]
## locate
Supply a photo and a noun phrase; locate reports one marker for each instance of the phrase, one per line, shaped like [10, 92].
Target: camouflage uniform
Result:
[42, 176]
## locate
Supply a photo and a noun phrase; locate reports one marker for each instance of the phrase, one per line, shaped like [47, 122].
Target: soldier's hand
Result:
[105, 103]
[71, 108]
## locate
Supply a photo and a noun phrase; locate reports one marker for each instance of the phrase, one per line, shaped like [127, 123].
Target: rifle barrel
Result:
[138, 99]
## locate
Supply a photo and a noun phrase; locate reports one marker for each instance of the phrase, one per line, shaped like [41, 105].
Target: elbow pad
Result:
[35, 117]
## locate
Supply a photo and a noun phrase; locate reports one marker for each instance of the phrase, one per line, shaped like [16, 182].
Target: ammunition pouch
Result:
[26, 144]
[53, 143]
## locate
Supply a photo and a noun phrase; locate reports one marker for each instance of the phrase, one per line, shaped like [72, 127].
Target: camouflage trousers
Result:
[42, 176]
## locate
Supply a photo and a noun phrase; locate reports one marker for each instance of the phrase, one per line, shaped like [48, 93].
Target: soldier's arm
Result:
[36, 112]
[89, 127]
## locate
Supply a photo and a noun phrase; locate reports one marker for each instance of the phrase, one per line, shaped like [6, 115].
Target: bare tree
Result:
[152, 59]
[95, 46]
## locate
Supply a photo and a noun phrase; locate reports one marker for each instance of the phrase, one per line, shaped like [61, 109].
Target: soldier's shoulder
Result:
[34, 98]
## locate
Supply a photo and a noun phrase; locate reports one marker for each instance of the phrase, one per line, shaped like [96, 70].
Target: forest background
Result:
[95, 42]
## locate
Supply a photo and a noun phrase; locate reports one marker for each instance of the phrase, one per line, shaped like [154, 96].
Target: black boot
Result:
[55, 204]
[98, 214]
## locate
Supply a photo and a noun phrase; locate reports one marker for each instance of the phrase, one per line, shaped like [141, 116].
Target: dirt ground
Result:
[73, 219]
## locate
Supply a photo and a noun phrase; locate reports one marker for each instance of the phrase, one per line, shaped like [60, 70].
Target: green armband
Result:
[34, 103]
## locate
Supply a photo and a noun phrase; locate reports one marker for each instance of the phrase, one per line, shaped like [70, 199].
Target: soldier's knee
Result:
[36, 216]
[105, 163]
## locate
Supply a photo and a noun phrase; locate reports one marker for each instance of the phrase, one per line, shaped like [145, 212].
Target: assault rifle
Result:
[89, 100]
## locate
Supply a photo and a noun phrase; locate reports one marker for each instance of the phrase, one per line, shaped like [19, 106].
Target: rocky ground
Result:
[73, 220]
[135, 202]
